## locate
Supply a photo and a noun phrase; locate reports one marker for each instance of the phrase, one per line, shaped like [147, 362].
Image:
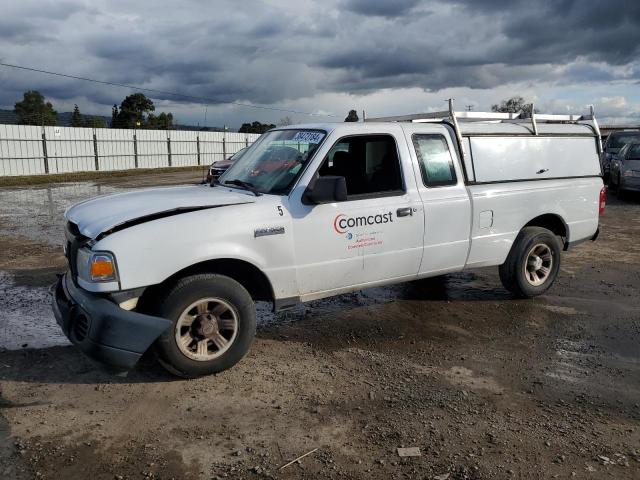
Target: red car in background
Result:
[278, 158]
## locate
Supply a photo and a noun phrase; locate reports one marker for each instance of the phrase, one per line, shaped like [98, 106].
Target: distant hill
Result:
[64, 120]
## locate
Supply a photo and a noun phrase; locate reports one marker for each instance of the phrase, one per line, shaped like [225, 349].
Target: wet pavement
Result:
[487, 386]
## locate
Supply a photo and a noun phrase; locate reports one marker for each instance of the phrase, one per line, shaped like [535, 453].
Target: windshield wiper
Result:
[245, 185]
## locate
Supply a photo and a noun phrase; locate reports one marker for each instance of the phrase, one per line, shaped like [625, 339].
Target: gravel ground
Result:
[484, 385]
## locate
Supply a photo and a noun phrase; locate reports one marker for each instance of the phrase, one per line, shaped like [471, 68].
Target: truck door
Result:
[447, 207]
[376, 234]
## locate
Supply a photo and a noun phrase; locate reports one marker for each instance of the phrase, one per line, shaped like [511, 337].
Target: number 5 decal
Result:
[280, 211]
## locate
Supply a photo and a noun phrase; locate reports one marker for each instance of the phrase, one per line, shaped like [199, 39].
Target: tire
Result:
[533, 247]
[217, 313]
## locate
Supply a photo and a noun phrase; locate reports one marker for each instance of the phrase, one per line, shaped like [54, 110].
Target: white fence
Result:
[28, 150]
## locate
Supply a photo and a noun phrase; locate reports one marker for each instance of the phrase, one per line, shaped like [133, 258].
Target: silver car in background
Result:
[614, 143]
[625, 169]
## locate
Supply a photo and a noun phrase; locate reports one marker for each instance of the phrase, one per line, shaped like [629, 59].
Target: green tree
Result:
[95, 122]
[114, 116]
[76, 118]
[133, 111]
[33, 110]
[513, 105]
[256, 127]
[352, 116]
[164, 121]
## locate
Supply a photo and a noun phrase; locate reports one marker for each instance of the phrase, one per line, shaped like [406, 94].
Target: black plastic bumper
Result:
[100, 328]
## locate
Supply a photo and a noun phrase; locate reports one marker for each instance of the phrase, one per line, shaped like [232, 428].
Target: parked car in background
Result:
[625, 169]
[614, 143]
[218, 168]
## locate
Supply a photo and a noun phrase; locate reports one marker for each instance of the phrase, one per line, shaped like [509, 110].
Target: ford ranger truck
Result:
[344, 206]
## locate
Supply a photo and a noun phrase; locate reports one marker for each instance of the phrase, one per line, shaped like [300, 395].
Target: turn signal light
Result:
[603, 199]
[102, 268]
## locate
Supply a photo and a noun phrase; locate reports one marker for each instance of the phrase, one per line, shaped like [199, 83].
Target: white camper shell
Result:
[317, 210]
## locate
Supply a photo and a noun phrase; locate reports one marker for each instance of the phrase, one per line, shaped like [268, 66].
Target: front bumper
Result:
[100, 328]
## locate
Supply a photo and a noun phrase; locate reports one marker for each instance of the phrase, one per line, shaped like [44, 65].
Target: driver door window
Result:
[369, 164]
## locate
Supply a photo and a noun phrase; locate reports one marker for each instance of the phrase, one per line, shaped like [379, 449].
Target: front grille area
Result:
[216, 172]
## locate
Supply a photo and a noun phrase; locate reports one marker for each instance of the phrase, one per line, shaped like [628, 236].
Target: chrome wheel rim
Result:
[538, 264]
[206, 329]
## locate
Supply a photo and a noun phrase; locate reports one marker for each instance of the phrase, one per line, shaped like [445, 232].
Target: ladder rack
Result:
[454, 118]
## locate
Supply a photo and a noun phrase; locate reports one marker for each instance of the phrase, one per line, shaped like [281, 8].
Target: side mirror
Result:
[326, 190]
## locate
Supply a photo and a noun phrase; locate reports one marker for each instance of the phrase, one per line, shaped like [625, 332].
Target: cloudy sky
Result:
[386, 57]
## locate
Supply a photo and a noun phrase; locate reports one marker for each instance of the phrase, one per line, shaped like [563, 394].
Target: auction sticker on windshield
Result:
[308, 137]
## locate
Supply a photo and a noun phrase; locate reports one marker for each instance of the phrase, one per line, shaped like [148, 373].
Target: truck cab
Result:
[348, 206]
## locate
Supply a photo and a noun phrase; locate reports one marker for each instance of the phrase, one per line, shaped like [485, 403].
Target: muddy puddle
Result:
[26, 319]
[37, 212]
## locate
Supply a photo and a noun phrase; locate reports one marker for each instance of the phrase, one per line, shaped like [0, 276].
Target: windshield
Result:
[273, 164]
[634, 152]
[238, 154]
[619, 141]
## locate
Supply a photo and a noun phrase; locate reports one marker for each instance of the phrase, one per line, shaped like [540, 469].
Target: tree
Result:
[133, 110]
[95, 122]
[352, 116]
[164, 121]
[114, 116]
[76, 118]
[33, 110]
[513, 105]
[256, 127]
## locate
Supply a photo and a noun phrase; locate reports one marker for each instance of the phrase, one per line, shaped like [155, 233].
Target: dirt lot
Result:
[485, 385]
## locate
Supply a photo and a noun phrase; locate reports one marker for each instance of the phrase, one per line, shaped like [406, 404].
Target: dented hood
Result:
[102, 214]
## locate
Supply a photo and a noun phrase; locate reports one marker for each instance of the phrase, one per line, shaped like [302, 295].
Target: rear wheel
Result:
[532, 264]
[214, 323]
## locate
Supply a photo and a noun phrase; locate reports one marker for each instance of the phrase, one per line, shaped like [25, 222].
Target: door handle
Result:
[404, 212]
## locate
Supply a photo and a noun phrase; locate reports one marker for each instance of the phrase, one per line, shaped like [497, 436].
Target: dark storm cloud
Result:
[520, 34]
[21, 31]
[281, 51]
[383, 8]
[559, 30]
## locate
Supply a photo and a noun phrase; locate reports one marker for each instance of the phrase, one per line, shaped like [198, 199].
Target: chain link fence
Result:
[32, 150]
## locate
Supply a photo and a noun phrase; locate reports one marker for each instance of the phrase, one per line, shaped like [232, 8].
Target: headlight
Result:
[97, 266]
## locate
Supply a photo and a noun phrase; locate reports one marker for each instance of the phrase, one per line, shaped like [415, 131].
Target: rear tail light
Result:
[603, 199]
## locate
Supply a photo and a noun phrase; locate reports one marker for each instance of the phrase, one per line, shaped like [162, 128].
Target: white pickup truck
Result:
[318, 210]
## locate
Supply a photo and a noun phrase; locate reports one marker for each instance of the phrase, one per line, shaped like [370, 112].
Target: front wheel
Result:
[214, 322]
[532, 264]
[621, 194]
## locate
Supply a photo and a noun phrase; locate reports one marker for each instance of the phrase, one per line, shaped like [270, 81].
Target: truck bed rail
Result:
[455, 117]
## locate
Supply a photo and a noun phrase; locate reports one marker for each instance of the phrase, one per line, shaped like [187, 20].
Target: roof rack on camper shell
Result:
[454, 118]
